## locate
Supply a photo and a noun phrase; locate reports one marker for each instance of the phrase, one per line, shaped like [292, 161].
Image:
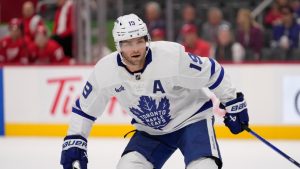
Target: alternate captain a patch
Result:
[152, 115]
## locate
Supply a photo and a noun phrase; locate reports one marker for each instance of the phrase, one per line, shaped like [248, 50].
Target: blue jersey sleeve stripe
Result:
[77, 103]
[240, 98]
[218, 81]
[204, 107]
[83, 114]
[213, 67]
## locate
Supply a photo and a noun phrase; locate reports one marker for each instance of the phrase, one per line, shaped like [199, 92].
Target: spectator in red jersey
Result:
[63, 25]
[193, 43]
[45, 50]
[158, 34]
[188, 16]
[13, 48]
[30, 20]
[273, 16]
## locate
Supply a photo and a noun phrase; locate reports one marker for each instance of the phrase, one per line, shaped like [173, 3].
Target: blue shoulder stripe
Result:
[213, 67]
[218, 81]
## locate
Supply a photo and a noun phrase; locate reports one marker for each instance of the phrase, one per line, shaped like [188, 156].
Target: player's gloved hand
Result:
[236, 114]
[74, 149]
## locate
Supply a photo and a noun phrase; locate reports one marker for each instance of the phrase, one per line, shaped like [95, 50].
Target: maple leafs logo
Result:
[152, 115]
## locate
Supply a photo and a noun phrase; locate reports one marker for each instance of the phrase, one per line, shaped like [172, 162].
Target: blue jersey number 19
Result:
[196, 62]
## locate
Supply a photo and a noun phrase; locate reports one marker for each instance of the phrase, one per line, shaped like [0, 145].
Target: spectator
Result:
[249, 34]
[227, 49]
[286, 35]
[295, 5]
[158, 34]
[44, 50]
[273, 16]
[282, 3]
[210, 28]
[63, 26]
[188, 16]
[153, 16]
[13, 48]
[193, 43]
[30, 20]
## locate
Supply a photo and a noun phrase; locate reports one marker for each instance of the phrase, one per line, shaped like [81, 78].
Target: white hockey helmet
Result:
[128, 27]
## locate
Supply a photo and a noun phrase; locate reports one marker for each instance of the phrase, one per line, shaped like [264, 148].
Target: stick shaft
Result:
[272, 146]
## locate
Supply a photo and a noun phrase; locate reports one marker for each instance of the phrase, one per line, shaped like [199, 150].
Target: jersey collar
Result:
[147, 62]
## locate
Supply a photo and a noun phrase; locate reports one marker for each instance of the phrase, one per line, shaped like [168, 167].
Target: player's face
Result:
[133, 51]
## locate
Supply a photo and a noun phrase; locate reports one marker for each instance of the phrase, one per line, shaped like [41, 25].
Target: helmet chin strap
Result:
[122, 58]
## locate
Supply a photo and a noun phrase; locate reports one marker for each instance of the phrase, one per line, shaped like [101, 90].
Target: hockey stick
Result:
[271, 145]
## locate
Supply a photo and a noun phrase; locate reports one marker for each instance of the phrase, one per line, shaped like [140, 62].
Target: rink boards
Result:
[36, 101]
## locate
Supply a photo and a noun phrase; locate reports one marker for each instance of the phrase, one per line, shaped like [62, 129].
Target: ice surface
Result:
[104, 153]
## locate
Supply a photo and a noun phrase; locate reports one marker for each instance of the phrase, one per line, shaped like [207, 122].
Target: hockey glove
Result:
[74, 149]
[236, 116]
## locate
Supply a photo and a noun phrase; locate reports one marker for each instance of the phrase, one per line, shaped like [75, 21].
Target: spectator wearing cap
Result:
[153, 16]
[45, 50]
[249, 34]
[286, 35]
[189, 16]
[210, 28]
[30, 19]
[273, 16]
[227, 50]
[193, 43]
[13, 47]
[158, 34]
[63, 26]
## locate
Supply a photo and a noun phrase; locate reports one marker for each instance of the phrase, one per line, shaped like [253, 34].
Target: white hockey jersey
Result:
[166, 95]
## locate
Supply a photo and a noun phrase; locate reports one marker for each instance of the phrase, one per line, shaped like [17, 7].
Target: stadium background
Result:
[35, 99]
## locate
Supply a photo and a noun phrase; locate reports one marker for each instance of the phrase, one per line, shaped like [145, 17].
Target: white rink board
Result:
[262, 85]
[30, 93]
[33, 95]
[291, 99]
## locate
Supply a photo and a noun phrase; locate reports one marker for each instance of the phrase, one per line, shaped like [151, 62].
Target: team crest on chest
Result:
[151, 114]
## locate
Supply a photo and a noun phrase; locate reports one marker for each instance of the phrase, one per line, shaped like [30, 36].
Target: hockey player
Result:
[162, 88]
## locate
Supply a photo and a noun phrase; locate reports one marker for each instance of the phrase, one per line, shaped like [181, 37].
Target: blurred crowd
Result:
[242, 39]
[29, 41]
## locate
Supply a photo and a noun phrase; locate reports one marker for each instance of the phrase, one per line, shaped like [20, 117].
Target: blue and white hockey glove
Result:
[74, 150]
[236, 114]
